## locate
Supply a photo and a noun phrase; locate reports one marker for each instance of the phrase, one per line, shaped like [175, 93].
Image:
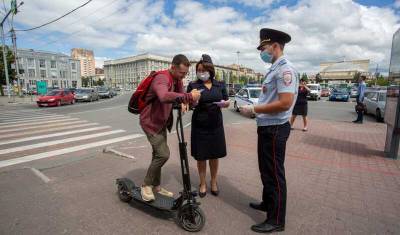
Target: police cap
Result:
[272, 35]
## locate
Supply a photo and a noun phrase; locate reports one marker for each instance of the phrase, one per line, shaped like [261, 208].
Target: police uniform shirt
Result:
[280, 78]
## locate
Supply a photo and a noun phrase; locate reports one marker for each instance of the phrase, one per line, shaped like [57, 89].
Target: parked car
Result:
[105, 92]
[353, 92]
[113, 92]
[86, 94]
[56, 98]
[315, 93]
[375, 102]
[325, 92]
[72, 89]
[246, 96]
[339, 95]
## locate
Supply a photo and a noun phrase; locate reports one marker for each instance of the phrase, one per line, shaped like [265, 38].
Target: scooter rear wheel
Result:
[191, 218]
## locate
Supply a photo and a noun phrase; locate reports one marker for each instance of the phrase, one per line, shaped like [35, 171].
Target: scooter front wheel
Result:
[191, 218]
[123, 192]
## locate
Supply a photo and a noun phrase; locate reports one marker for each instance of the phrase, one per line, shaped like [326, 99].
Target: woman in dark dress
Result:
[207, 136]
[301, 106]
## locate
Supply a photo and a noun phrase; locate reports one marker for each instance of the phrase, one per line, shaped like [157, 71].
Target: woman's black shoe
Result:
[216, 192]
[202, 194]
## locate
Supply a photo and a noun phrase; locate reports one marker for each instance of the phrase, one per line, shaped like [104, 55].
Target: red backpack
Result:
[137, 101]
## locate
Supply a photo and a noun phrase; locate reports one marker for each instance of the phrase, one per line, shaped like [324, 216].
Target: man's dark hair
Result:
[180, 59]
[363, 77]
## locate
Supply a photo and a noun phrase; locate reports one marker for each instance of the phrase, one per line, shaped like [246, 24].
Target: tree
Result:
[356, 77]
[318, 78]
[85, 81]
[11, 72]
[304, 77]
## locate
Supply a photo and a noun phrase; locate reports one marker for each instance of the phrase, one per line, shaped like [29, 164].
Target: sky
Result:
[328, 30]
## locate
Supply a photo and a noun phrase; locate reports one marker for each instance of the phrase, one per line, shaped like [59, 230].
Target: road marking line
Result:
[38, 123]
[40, 175]
[53, 135]
[30, 118]
[29, 121]
[41, 126]
[55, 142]
[118, 153]
[58, 152]
[41, 131]
[88, 111]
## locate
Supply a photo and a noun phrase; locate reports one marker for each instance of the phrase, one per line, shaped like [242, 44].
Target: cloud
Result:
[250, 3]
[397, 4]
[99, 61]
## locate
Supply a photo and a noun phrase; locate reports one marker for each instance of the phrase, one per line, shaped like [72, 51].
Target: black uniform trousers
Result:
[271, 158]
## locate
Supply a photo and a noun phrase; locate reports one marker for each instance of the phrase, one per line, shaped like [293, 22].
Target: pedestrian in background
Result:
[274, 108]
[207, 136]
[360, 98]
[301, 106]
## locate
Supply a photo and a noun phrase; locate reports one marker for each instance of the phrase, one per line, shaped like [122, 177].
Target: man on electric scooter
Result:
[166, 88]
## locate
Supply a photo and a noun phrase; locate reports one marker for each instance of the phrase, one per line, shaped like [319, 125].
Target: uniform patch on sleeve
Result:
[287, 78]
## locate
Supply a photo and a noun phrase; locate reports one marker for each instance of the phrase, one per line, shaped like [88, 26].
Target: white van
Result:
[315, 92]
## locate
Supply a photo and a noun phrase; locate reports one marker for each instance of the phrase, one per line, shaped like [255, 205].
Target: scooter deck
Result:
[161, 202]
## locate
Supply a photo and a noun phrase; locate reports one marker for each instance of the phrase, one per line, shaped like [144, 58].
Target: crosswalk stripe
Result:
[26, 121]
[41, 126]
[38, 123]
[29, 118]
[55, 142]
[58, 152]
[53, 135]
[41, 131]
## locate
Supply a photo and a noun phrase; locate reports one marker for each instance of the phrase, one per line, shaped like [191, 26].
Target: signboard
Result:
[41, 87]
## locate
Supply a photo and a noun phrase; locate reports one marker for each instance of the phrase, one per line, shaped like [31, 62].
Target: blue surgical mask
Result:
[265, 56]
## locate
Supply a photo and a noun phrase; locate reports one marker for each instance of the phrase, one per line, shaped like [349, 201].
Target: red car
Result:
[56, 98]
[325, 92]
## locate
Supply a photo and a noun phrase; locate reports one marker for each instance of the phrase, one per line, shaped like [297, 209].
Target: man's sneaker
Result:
[147, 193]
[164, 192]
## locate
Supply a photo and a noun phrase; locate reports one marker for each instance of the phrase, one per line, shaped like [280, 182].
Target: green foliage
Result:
[11, 72]
[304, 77]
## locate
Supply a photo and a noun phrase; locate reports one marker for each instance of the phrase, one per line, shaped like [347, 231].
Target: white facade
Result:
[128, 72]
[57, 69]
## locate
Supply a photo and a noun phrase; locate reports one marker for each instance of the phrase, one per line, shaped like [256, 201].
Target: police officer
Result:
[274, 108]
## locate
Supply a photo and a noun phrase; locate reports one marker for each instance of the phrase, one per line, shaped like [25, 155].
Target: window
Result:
[31, 62]
[53, 74]
[53, 64]
[73, 66]
[42, 73]
[42, 63]
[73, 75]
[31, 73]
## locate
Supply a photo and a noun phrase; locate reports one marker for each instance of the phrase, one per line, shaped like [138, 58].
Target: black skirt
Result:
[300, 109]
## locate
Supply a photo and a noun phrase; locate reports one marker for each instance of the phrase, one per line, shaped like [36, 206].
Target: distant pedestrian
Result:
[360, 98]
[301, 106]
[207, 136]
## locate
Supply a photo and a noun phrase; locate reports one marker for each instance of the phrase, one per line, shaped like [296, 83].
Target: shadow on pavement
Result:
[324, 142]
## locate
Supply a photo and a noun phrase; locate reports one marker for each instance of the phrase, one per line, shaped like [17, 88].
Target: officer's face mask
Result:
[266, 56]
[203, 76]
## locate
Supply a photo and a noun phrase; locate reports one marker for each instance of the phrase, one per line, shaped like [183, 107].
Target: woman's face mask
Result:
[203, 76]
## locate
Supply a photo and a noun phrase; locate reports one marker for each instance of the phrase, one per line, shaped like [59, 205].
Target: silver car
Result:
[375, 102]
[86, 94]
[246, 96]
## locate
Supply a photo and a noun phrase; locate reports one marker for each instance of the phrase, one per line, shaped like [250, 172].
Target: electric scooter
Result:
[189, 215]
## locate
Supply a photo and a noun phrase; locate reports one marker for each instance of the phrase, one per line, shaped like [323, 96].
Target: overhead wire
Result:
[52, 21]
